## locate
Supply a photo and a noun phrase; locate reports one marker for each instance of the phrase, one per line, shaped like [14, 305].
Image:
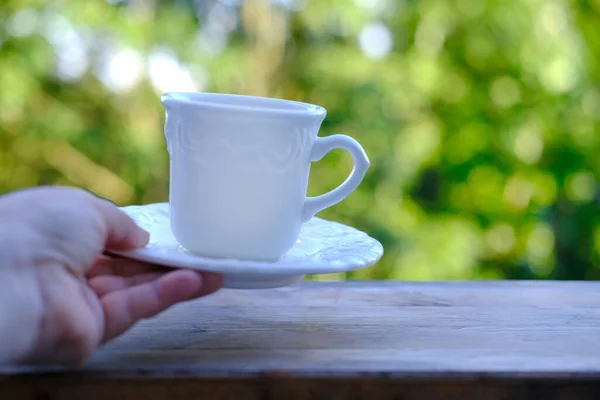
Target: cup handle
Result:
[321, 147]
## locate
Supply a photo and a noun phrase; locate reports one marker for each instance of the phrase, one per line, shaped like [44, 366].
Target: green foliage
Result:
[481, 120]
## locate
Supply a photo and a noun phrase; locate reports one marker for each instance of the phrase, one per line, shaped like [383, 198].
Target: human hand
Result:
[61, 297]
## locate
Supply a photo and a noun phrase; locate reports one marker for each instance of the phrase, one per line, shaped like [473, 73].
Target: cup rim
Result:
[247, 103]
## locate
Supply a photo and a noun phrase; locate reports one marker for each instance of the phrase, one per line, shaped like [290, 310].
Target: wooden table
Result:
[351, 340]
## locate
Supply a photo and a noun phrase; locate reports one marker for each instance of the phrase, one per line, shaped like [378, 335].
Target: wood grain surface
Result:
[499, 340]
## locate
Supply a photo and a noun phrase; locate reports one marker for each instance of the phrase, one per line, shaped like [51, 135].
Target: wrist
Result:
[21, 307]
[20, 318]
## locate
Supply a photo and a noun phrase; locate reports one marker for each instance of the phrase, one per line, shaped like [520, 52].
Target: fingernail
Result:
[212, 282]
[142, 238]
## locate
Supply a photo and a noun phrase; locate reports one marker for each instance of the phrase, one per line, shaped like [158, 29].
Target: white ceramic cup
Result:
[239, 168]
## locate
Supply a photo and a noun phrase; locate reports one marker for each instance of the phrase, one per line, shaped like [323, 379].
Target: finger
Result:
[125, 307]
[122, 233]
[104, 284]
[108, 265]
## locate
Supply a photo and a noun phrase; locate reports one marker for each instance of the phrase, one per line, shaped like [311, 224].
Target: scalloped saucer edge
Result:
[322, 247]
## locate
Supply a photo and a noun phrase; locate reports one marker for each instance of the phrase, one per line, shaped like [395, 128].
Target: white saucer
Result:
[323, 247]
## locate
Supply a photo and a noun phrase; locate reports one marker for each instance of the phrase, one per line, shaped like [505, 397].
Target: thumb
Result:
[122, 233]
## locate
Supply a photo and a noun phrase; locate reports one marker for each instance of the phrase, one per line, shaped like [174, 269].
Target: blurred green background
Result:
[481, 117]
